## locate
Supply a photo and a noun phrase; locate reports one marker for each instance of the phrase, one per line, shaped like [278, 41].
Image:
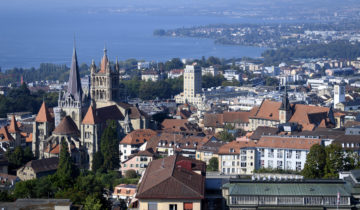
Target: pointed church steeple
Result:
[104, 62]
[117, 66]
[74, 85]
[285, 105]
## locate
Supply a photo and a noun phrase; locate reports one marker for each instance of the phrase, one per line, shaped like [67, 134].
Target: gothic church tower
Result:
[71, 102]
[105, 82]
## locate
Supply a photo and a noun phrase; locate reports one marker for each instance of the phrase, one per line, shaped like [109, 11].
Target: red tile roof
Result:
[268, 110]
[165, 179]
[90, 117]
[139, 136]
[270, 142]
[43, 114]
[5, 135]
[13, 127]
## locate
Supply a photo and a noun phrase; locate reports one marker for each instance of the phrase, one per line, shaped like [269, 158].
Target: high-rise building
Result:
[192, 86]
[339, 94]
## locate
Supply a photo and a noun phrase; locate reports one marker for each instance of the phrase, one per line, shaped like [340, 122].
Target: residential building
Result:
[172, 183]
[209, 150]
[281, 152]
[138, 161]
[125, 191]
[231, 75]
[169, 143]
[143, 65]
[150, 75]
[211, 70]
[216, 122]
[131, 143]
[175, 73]
[37, 168]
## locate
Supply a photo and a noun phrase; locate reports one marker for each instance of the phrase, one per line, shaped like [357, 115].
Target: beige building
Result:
[209, 150]
[192, 87]
[236, 158]
[186, 178]
[37, 168]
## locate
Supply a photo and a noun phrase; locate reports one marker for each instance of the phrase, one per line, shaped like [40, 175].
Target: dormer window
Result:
[232, 150]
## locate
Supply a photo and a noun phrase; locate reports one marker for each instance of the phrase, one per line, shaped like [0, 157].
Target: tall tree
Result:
[67, 171]
[109, 146]
[315, 162]
[97, 162]
[213, 164]
[334, 160]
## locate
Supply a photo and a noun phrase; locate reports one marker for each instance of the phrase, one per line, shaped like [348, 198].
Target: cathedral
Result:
[80, 119]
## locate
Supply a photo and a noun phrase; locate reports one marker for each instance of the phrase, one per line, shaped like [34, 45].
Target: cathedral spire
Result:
[74, 84]
[117, 66]
[104, 62]
[285, 105]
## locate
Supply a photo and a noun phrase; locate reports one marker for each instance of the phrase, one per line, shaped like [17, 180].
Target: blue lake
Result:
[28, 39]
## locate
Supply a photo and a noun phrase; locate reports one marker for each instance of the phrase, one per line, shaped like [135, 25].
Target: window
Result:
[298, 166]
[262, 152]
[279, 153]
[172, 207]
[279, 164]
[243, 158]
[270, 163]
[243, 164]
[152, 206]
[188, 206]
[271, 153]
[288, 165]
[298, 154]
[262, 163]
[243, 152]
[289, 154]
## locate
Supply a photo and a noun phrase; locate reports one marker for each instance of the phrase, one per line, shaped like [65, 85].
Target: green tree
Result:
[225, 136]
[67, 171]
[16, 157]
[97, 161]
[25, 189]
[92, 203]
[315, 162]
[174, 63]
[109, 146]
[5, 196]
[130, 174]
[334, 160]
[270, 81]
[213, 164]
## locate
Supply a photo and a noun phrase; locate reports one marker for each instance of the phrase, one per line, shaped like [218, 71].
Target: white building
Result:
[175, 73]
[150, 75]
[276, 152]
[231, 74]
[212, 70]
[143, 65]
[339, 94]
